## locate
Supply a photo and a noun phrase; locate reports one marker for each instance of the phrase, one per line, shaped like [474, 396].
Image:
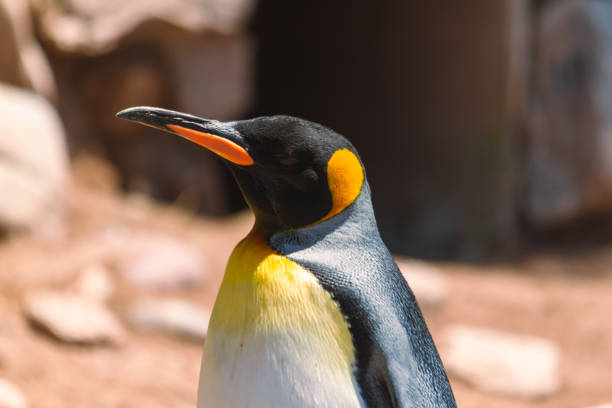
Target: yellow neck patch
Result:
[266, 295]
[345, 179]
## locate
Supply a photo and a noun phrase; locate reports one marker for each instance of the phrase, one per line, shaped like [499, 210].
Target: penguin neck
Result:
[256, 263]
[358, 217]
[268, 296]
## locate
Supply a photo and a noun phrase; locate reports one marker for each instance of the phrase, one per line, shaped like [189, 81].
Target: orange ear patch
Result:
[216, 144]
[345, 178]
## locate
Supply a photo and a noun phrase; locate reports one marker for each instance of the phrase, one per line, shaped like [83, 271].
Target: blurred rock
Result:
[427, 282]
[11, 396]
[73, 319]
[22, 61]
[172, 316]
[162, 263]
[204, 74]
[33, 161]
[189, 55]
[95, 283]
[570, 121]
[92, 27]
[501, 362]
[216, 66]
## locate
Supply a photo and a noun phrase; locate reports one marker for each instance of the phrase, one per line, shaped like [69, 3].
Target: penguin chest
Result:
[276, 338]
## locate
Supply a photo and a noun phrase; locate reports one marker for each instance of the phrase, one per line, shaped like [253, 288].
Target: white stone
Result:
[11, 396]
[33, 160]
[95, 283]
[427, 282]
[161, 263]
[73, 318]
[501, 362]
[172, 316]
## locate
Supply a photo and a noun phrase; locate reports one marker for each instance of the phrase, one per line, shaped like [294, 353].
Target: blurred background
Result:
[485, 127]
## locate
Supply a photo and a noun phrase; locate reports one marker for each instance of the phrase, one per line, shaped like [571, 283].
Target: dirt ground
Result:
[565, 298]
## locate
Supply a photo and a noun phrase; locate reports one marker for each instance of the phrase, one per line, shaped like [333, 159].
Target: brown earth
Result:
[565, 298]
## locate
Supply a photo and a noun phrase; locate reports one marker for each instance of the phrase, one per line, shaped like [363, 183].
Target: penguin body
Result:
[312, 310]
[276, 337]
[397, 364]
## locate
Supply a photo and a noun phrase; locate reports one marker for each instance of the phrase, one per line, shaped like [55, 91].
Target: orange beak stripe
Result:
[223, 147]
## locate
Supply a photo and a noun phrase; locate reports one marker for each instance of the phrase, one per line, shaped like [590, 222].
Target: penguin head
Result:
[292, 173]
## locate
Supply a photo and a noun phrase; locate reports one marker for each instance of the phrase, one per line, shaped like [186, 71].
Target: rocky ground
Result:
[132, 282]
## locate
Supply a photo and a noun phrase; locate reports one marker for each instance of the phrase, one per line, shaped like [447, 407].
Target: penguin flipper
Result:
[398, 364]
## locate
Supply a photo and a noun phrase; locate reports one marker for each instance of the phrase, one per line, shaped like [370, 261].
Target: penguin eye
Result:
[306, 181]
[286, 160]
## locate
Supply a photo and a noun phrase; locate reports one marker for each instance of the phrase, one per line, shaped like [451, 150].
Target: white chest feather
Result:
[276, 338]
[271, 372]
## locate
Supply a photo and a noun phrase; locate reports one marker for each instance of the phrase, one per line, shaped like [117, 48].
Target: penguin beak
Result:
[219, 137]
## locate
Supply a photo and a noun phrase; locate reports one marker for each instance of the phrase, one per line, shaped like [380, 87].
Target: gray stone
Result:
[33, 161]
[11, 396]
[95, 283]
[501, 362]
[427, 282]
[72, 318]
[569, 155]
[162, 263]
[172, 316]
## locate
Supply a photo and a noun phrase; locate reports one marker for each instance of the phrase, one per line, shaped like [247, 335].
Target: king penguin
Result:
[312, 310]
